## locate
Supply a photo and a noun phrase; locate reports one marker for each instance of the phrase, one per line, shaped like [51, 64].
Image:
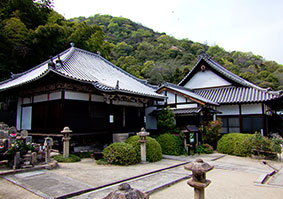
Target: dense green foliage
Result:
[166, 121]
[264, 144]
[20, 146]
[235, 144]
[247, 144]
[71, 158]
[31, 31]
[211, 132]
[171, 144]
[120, 153]
[159, 57]
[153, 148]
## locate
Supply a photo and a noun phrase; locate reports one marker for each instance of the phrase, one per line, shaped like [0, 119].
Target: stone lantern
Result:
[126, 192]
[66, 141]
[199, 181]
[142, 134]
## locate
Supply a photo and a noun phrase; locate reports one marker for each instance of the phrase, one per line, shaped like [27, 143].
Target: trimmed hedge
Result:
[120, 153]
[153, 148]
[171, 144]
[235, 144]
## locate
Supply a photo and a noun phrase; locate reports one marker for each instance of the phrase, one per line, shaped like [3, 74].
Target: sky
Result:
[244, 25]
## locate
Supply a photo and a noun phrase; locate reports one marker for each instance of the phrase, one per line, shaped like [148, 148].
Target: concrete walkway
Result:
[86, 179]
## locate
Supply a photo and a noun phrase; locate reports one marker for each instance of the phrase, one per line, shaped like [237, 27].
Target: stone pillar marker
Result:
[199, 181]
[142, 134]
[47, 144]
[66, 141]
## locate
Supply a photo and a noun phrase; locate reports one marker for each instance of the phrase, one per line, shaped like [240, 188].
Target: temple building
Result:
[210, 91]
[79, 89]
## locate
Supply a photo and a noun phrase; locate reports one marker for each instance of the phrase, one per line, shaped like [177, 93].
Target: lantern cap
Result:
[66, 130]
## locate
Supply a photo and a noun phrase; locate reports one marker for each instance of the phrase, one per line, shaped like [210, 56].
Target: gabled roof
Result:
[88, 67]
[185, 92]
[204, 58]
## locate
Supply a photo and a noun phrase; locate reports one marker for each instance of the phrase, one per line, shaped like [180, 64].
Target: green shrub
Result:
[120, 153]
[71, 158]
[243, 145]
[153, 148]
[204, 148]
[83, 154]
[235, 144]
[171, 144]
[225, 144]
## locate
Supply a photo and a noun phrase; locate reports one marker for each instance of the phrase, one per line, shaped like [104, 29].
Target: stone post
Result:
[16, 160]
[47, 144]
[66, 141]
[199, 181]
[125, 191]
[142, 134]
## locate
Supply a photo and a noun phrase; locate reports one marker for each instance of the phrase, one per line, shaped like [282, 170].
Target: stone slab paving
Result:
[46, 184]
[277, 179]
[147, 184]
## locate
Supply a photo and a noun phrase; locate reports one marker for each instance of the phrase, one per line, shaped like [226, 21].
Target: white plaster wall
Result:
[26, 117]
[27, 100]
[40, 98]
[206, 79]
[19, 113]
[171, 98]
[187, 105]
[228, 110]
[181, 99]
[123, 103]
[97, 98]
[76, 96]
[251, 109]
[55, 95]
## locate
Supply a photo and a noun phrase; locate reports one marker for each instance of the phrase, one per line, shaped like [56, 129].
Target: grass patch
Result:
[71, 158]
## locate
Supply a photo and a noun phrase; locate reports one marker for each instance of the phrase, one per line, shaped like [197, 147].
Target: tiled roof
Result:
[222, 70]
[187, 92]
[186, 111]
[236, 95]
[88, 67]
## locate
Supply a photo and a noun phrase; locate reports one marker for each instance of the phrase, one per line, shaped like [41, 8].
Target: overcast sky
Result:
[245, 25]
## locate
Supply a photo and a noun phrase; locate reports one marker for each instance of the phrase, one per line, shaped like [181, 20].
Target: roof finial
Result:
[117, 84]
[51, 63]
[98, 53]
[72, 44]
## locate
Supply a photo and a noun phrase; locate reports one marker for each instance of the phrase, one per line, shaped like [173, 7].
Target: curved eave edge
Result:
[111, 89]
[27, 82]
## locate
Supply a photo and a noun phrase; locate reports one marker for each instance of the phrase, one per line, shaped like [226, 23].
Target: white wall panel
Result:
[26, 117]
[55, 95]
[76, 96]
[251, 109]
[97, 98]
[228, 110]
[206, 79]
[40, 98]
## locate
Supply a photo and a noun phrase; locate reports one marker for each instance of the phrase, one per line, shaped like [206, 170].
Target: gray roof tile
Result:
[88, 67]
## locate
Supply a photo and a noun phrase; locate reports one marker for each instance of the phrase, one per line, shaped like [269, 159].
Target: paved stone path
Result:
[46, 184]
[50, 185]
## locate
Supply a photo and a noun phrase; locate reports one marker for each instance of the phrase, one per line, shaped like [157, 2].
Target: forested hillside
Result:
[30, 32]
[159, 57]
